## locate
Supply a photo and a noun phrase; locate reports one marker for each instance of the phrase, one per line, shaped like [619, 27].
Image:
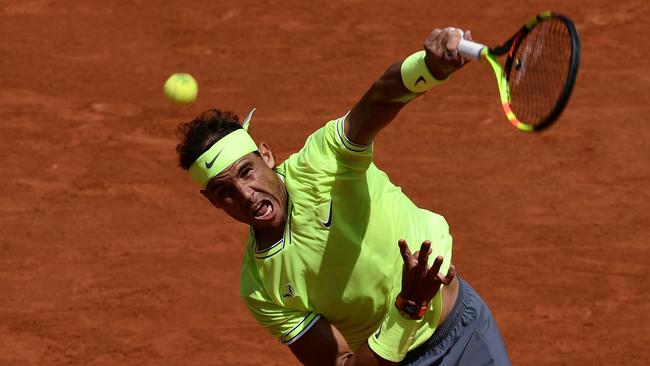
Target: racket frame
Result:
[502, 73]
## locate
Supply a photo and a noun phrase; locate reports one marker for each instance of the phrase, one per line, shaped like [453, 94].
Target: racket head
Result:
[539, 72]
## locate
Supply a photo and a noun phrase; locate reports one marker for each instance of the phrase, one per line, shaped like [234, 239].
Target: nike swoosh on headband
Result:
[208, 164]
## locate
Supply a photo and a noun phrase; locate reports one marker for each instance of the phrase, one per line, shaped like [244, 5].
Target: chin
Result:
[276, 223]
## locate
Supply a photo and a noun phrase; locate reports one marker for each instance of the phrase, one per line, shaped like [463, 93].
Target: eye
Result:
[246, 171]
[219, 190]
[223, 192]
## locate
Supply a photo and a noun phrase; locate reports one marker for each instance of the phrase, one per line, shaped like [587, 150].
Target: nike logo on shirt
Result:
[290, 292]
[328, 223]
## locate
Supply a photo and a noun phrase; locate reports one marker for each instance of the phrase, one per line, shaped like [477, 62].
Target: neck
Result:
[267, 237]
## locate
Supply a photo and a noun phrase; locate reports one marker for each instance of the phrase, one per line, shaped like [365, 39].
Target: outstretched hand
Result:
[441, 47]
[420, 283]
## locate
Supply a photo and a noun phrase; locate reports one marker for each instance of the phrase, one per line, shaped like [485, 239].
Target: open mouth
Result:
[264, 210]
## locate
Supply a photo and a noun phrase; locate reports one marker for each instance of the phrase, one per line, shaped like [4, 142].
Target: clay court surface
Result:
[110, 256]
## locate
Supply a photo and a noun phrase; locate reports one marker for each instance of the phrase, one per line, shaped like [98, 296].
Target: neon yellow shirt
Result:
[339, 257]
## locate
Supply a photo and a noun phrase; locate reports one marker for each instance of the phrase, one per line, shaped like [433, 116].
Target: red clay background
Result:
[110, 256]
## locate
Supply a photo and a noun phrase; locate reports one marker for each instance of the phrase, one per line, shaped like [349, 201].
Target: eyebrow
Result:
[243, 166]
[219, 184]
[215, 186]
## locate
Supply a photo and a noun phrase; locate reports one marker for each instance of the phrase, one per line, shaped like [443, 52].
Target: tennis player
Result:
[339, 264]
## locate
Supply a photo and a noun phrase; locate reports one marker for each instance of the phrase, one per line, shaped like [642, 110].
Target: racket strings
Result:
[539, 71]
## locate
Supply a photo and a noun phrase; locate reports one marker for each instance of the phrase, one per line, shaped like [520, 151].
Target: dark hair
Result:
[202, 132]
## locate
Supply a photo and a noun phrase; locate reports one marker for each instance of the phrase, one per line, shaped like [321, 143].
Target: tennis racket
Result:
[539, 72]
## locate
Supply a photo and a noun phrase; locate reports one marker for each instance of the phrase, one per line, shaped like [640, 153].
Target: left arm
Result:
[387, 95]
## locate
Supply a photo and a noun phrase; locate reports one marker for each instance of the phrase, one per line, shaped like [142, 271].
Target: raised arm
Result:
[381, 103]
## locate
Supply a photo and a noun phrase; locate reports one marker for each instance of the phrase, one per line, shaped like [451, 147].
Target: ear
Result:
[206, 195]
[267, 154]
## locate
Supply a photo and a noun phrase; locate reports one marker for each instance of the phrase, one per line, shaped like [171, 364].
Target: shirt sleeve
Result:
[286, 325]
[329, 149]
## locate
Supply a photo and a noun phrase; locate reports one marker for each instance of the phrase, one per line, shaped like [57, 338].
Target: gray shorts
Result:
[469, 336]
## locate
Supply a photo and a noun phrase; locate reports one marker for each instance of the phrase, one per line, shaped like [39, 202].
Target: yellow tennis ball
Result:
[181, 88]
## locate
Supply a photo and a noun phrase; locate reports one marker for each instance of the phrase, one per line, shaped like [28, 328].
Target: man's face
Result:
[250, 191]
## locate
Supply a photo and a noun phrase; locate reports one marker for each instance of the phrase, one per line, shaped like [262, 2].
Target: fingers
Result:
[443, 43]
[424, 252]
[438, 278]
[432, 274]
[451, 273]
[407, 257]
[437, 263]
[432, 42]
[421, 258]
[453, 37]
